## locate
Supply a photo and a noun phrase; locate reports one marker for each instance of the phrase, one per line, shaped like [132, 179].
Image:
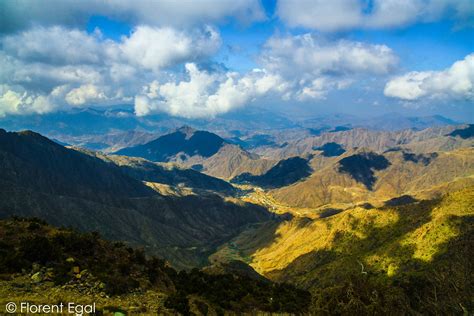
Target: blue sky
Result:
[204, 59]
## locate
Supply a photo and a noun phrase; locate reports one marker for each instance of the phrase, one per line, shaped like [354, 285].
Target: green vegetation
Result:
[66, 257]
[407, 259]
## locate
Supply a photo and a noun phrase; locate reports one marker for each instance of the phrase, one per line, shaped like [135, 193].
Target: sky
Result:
[201, 59]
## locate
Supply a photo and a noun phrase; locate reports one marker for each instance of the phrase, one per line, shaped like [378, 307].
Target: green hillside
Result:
[40, 263]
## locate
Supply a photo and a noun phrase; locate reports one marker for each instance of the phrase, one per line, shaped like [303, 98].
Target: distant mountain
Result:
[395, 122]
[385, 122]
[109, 142]
[254, 141]
[361, 175]
[185, 141]
[68, 188]
[427, 140]
[201, 150]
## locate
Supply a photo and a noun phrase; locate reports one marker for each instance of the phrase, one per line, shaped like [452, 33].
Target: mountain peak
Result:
[187, 130]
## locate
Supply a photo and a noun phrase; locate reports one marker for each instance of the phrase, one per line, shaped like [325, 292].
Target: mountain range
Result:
[365, 220]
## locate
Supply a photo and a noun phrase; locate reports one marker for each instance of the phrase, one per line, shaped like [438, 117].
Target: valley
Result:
[237, 157]
[337, 208]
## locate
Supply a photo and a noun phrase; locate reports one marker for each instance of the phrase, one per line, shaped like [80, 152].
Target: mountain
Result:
[363, 175]
[423, 141]
[40, 178]
[391, 122]
[201, 150]
[108, 142]
[31, 160]
[464, 133]
[184, 141]
[366, 221]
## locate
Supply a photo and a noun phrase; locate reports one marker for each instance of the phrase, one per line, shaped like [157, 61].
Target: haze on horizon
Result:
[207, 58]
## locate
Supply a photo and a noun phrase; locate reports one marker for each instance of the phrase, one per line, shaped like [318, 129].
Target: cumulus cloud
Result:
[206, 94]
[456, 82]
[313, 66]
[339, 15]
[85, 93]
[15, 99]
[96, 71]
[308, 54]
[56, 45]
[156, 48]
[26, 13]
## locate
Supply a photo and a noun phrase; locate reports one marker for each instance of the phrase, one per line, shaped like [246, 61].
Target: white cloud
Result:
[26, 13]
[156, 48]
[85, 93]
[313, 66]
[90, 70]
[339, 15]
[56, 45]
[14, 100]
[206, 94]
[456, 82]
[307, 54]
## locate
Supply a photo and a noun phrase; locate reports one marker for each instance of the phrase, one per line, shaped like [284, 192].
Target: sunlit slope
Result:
[409, 254]
[427, 140]
[403, 173]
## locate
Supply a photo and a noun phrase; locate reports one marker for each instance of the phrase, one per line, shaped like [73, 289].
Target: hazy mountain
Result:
[427, 140]
[391, 122]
